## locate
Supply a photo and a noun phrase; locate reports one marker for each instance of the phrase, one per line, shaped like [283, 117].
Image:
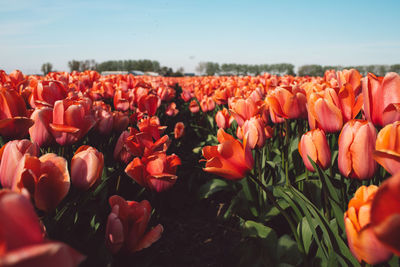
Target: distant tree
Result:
[395, 68]
[311, 70]
[201, 67]
[46, 68]
[74, 65]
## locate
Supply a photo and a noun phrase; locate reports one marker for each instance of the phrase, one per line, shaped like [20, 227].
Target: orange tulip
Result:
[349, 105]
[40, 132]
[385, 213]
[230, 159]
[243, 109]
[46, 179]
[313, 144]
[194, 106]
[22, 239]
[387, 148]
[179, 130]
[72, 119]
[381, 98]
[287, 104]
[223, 119]
[356, 145]
[324, 112]
[254, 129]
[10, 156]
[86, 167]
[363, 242]
[13, 114]
[351, 77]
[156, 172]
[126, 226]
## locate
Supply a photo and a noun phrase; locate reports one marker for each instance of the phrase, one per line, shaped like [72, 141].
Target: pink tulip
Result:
[10, 155]
[40, 132]
[313, 144]
[86, 167]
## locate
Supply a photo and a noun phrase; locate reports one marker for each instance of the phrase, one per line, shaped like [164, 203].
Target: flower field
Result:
[124, 170]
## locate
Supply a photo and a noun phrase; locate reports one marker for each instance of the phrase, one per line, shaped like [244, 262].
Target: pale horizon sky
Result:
[181, 33]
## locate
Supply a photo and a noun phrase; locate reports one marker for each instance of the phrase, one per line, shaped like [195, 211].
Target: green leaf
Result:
[256, 229]
[213, 186]
[305, 234]
[288, 251]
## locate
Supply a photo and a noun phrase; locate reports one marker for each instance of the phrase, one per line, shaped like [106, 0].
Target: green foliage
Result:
[46, 68]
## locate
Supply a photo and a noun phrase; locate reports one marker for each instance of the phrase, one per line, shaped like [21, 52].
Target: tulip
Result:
[194, 107]
[40, 132]
[156, 172]
[313, 144]
[356, 145]
[13, 114]
[363, 242]
[171, 110]
[10, 155]
[385, 213]
[86, 167]
[351, 77]
[287, 104]
[149, 104]
[46, 179]
[179, 130]
[22, 239]
[223, 119]
[120, 121]
[126, 226]
[243, 109]
[381, 98]
[47, 93]
[387, 148]
[122, 100]
[121, 152]
[255, 130]
[207, 104]
[230, 159]
[72, 119]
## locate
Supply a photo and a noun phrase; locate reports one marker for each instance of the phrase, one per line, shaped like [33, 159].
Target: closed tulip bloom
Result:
[254, 129]
[86, 167]
[385, 213]
[243, 109]
[126, 226]
[40, 131]
[179, 130]
[230, 159]
[194, 106]
[171, 109]
[363, 242]
[381, 98]
[10, 156]
[120, 121]
[313, 144]
[23, 240]
[223, 119]
[46, 179]
[387, 148]
[324, 112]
[356, 146]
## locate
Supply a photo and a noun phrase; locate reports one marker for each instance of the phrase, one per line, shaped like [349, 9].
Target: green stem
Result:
[272, 198]
[286, 151]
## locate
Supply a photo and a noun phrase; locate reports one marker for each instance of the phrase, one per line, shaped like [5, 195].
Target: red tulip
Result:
[313, 144]
[13, 114]
[22, 239]
[46, 179]
[47, 93]
[10, 156]
[385, 213]
[194, 107]
[179, 130]
[230, 159]
[72, 119]
[172, 110]
[126, 226]
[149, 104]
[86, 167]
[363, 242]
[381, 98]
[40, 132]
[156, 172]
[356, 146]
[387, 148]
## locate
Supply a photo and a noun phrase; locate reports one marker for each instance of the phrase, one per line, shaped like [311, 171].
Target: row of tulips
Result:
[331, 105]
[80, 113]
[263, 124]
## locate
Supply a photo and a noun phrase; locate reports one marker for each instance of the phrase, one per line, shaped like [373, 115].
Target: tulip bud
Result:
[315, 145]
[356, 145]
[387, 148]
[179, 130]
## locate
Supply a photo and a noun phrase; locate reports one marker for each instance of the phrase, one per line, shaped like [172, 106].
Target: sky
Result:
[182, 33]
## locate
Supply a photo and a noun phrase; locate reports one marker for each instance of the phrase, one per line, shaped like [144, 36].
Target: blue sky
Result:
[181, 33]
